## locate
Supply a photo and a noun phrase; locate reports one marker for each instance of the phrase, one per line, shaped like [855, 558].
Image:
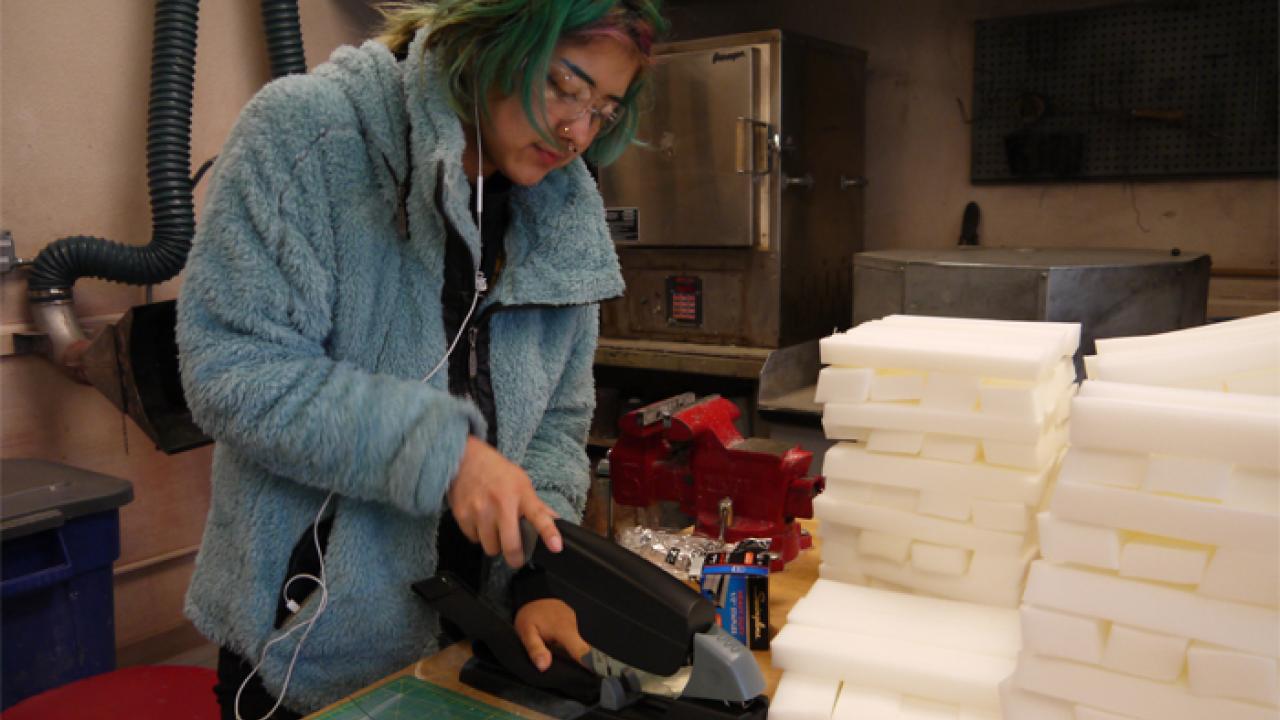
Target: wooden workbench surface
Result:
[785, 588]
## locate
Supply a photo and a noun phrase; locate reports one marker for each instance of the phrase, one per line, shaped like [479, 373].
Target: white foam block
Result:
[1150, 655]
[1155, 608]
[1115, 692]
[892, 385]
[845, 461]
[934, 530]
[950, 505]
[836, 384]
[1063, 338]
[875, 344]
[913, 418]
[1179, 397]
[859, 702]
[1006, 516]
[930, 558]
[1215, 332]
[1025, 400]
[1255, 489]
[1045, 632]
[1241, 437]
[1256, 382]
[1193, 477]
[1174, 365]
[1166, 516]
[900, 442]
[1084, 712]
[848, 490]
[1180, 565]
[1018, 704]
[894, 548]
[950, 391]
[897, 498]
[929, 621]
[1104, 467]
[1216, 672]
[991, 580]
[1039, 455]
[917, 709]
[1244, 576]
[896, 665]
[950, 448]
[1063, 542]
[803, 697]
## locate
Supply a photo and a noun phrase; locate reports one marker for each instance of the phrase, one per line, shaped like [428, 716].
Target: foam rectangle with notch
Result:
[927, 620]
[1125, 694]
[918, 527]
[996, 515]
[1045, 632]
[949, 505]
[1244, 437]
[836, 384]
[1018, 704]
[1149, 561]
[889, 385]
[1104, 467]
[1216, 672]
[950, 391]
[1243, 576]
[897, 442]
[991, 580]
[1038, 455]
[913, 418]
[1166, 516]
[1064, 542]
[1173, 366]
[1155, 608]
[803, 697]
[1138, 652]
[847, 462]
[1193, 336]
[896, 665]
[894, 548]
[1190, 476]
[940, 559]
[950, 448]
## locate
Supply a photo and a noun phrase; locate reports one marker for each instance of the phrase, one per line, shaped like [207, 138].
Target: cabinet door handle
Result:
[848, 182]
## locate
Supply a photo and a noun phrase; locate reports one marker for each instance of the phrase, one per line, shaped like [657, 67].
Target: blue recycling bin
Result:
[59, 535]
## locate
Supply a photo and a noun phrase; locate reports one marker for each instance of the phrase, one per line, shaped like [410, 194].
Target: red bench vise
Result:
[688, 451]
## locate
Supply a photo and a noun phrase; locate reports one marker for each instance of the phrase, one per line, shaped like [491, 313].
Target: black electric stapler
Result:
[629, 610]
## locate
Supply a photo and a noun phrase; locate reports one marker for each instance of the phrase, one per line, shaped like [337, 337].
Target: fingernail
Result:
[555, 544]
[544, 661]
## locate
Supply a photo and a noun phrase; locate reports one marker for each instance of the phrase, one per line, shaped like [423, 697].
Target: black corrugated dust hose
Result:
[173, 66]
[284, 37]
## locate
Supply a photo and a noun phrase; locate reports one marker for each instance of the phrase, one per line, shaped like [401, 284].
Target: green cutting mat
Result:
[409, 698]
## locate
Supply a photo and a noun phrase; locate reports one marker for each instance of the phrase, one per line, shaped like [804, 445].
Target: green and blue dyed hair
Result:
[508, 45]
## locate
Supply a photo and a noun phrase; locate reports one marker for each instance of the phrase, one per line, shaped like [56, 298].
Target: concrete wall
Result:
[73, 102]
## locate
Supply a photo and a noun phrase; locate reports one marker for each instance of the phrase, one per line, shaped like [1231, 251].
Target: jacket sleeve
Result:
[556, 458]
[256, 310]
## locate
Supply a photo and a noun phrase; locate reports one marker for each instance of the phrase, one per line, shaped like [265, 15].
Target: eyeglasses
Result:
[569, 97]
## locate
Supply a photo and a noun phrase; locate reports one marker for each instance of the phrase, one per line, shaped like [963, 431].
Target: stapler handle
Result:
[492, 634]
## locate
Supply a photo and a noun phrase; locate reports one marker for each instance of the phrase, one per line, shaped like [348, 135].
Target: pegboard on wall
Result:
[1152, 90]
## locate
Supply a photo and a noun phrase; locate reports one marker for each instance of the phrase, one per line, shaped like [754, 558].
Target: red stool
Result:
[143, 692]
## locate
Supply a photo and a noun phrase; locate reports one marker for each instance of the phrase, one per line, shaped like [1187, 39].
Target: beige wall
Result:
[73, 90]
[920, 62]
[73, 98]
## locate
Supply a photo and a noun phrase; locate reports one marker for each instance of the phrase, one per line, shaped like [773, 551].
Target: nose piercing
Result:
[565, 131]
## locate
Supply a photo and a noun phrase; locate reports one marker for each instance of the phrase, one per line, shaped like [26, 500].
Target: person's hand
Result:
[488, 497]
[547, 622]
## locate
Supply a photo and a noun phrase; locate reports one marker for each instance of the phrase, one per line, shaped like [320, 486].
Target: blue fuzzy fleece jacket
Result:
[306, 323]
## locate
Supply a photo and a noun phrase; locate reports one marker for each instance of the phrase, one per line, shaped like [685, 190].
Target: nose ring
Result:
[565, 131]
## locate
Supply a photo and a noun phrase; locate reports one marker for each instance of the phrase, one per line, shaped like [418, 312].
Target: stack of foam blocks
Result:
[1158, 596]
[952, 429]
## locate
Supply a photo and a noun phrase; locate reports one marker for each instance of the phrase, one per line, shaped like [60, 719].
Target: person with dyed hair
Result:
[388, 323]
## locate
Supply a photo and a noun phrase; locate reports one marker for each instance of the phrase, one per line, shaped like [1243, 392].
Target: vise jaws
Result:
[688, 451]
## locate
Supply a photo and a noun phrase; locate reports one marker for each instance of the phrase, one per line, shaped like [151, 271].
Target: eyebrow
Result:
[586, 77]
